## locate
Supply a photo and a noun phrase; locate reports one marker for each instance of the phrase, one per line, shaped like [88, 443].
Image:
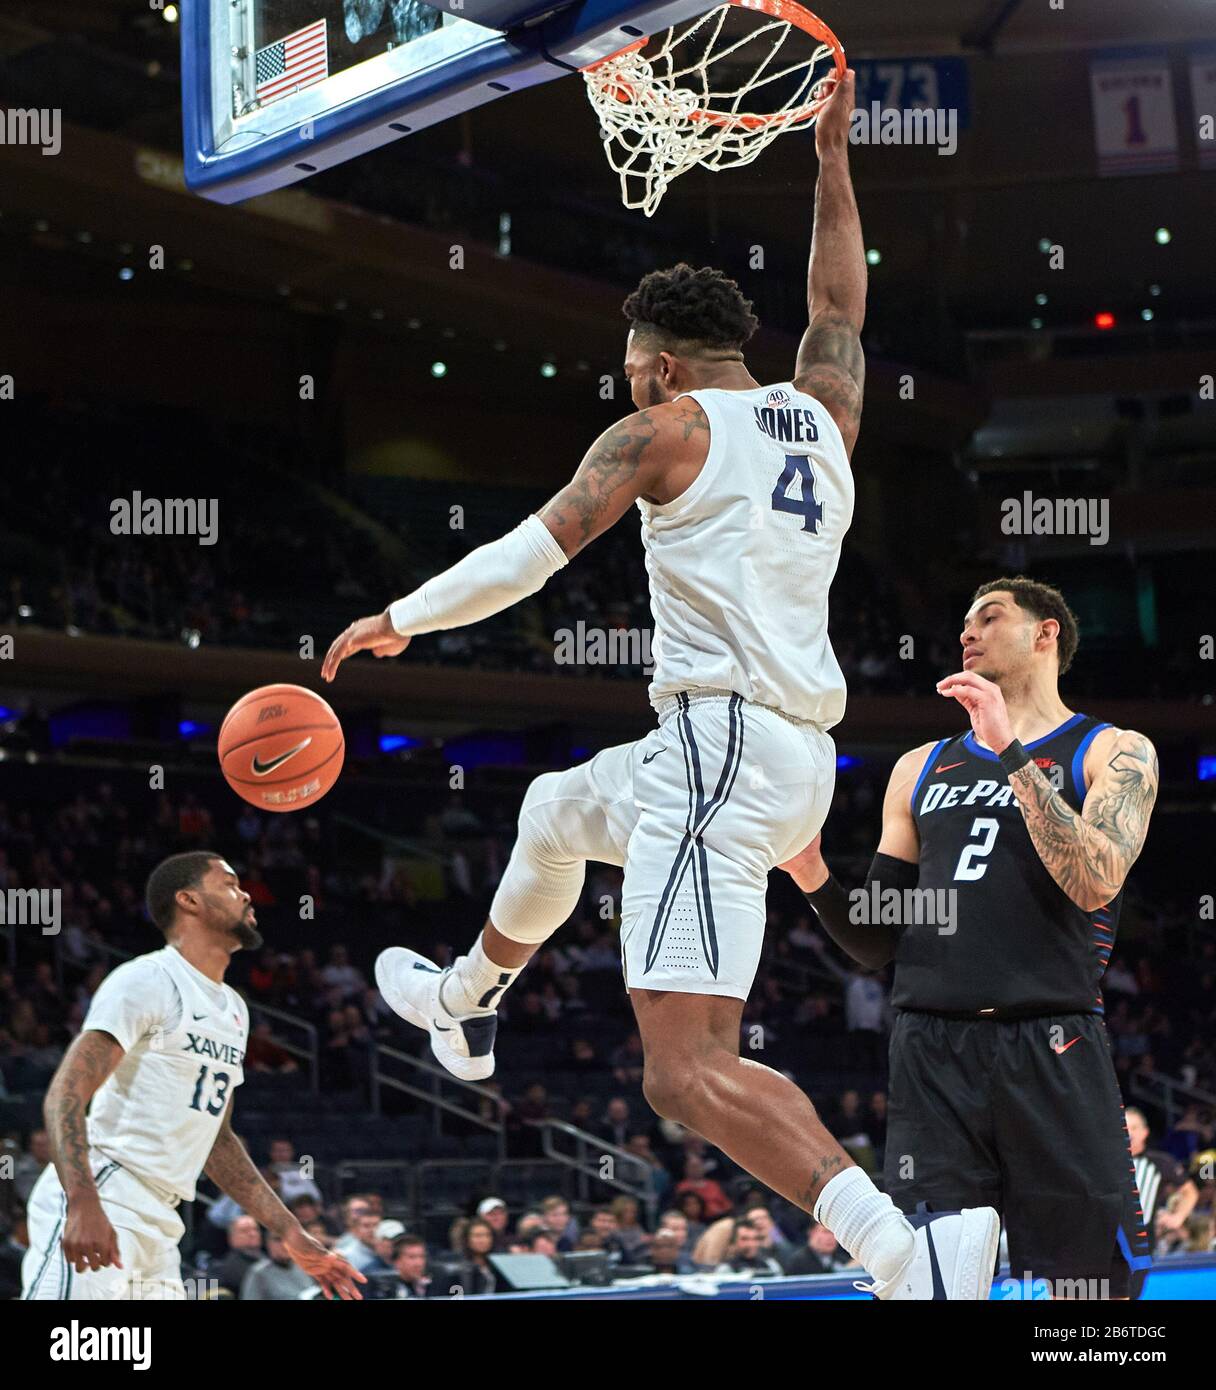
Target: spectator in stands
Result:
[816, 1256]
[540, 1242]
[746, 1257]
[1193, 1201]
[615, 1125]
[823, 1243]
[249, 826]
[410, 1263]
[262, 975]
[660, 1178]
[363, 1254]
[851, 1125]
[194, 823]
[524, 1138]
[714, 1201]
[354, 1209]
[293, 1181]
[263, 1054]
[603, 1227]
[276, 1278]
[583, 1056]
[559, 1222]
[340, 1060]
[627, 1062]
[341, 975]
[529, 1223]
[876, 1123]
[12, 1252]
[31, 1163]
[476, 1275]
[530, 1018]
[630, 1232]
[665, 1256]
[305, 1208]
[772, 1238]
[244, 1251]
[1196, 1130]
[320, 1231]
[493, 1211]
[386, 1233]
[692, 1207]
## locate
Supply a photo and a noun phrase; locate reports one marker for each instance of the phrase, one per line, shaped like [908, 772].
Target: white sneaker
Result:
[954, 1257]
[410, 986]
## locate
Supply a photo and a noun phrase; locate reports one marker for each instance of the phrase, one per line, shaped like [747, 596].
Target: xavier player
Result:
[159, 1056]
[745, 494]
[1002, 1089]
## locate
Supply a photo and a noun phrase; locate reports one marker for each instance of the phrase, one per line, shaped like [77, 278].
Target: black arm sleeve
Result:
[871, 944]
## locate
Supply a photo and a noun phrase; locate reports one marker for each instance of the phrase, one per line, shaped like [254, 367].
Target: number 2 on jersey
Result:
[967, 870]
[805, 506]
[215, 1106]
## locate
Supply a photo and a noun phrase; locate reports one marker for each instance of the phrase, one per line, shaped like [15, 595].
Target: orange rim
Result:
[787, 10]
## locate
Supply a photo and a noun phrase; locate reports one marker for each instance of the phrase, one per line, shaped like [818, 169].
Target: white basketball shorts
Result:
[148, 1230]
[697, 812]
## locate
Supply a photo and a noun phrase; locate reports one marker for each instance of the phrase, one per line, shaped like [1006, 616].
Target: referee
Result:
[1002, 1090]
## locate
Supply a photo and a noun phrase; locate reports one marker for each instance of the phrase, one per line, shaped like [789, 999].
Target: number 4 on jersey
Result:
[805, 506]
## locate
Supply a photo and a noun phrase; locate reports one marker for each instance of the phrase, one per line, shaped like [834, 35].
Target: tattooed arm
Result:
[89, 1241]
[1090, 855]
[831, 365]
[233, 1172]
[86, 1065]
[655, 454]
[644, 455]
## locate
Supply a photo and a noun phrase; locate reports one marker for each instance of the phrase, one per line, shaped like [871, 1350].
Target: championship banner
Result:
[1134, 122]
[1203, 104]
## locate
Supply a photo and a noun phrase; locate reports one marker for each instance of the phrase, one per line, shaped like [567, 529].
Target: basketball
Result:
[281, 747]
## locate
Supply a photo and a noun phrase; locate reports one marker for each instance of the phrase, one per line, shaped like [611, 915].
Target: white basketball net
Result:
[679, 101]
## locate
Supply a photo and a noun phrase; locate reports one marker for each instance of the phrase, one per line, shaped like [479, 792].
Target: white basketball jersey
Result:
[741, 562]
[183, 1039]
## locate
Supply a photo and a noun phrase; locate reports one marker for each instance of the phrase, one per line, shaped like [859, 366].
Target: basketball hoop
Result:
[676, 100]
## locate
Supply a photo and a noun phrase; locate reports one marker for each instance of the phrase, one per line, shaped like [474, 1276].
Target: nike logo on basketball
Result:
[650, 756]
[1061, 1048]
[948, 766]
[260, 768]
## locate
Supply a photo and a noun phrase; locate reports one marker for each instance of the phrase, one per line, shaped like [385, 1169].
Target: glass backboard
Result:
[275, 90]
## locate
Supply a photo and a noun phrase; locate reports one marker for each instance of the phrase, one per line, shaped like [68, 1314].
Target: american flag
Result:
[300, 60]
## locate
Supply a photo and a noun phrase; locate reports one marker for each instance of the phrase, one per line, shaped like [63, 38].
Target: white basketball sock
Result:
[867, 1223]
[476, 983]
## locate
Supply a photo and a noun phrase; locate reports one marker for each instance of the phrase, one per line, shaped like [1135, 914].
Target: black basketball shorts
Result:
[1024, 1116]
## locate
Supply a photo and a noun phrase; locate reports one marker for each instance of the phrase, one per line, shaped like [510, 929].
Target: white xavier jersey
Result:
[183, 1039]
[740, 564]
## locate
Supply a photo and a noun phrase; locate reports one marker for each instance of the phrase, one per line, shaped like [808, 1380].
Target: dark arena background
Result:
[360, 377]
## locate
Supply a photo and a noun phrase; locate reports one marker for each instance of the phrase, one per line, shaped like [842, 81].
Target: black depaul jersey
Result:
[1015, 944]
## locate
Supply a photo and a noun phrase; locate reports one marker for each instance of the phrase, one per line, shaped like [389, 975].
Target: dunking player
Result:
[1002, 1089]
[159, 1056]
[745, 495]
